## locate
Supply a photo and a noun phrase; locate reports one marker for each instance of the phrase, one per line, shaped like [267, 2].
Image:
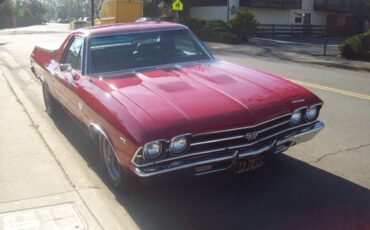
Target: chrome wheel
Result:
[111, 162]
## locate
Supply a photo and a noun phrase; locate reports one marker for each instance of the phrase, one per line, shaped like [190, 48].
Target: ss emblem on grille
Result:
[251, 136]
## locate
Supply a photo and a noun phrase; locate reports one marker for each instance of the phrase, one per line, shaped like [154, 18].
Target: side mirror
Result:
[65, 67]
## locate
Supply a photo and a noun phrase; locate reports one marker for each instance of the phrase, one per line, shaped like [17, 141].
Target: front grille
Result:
[236, 138]
[222, 142]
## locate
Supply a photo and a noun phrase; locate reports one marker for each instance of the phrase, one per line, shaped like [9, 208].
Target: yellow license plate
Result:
[250, 163]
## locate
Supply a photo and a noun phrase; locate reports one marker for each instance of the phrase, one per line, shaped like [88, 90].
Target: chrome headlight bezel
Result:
[315, 110]
[156, 147]
[297, 117]
[182, 142]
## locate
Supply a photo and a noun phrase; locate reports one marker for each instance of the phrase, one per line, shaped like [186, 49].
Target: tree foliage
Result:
[22, 8]
[244, 24]
[7, 8]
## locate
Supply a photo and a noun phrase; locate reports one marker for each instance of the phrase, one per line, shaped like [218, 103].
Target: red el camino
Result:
[159, 104]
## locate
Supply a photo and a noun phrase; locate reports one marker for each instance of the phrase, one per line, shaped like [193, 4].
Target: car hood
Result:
[205, 97]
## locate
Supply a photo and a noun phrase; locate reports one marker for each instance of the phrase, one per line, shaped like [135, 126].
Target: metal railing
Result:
[279, 4]
[335, 6]
[300, 30]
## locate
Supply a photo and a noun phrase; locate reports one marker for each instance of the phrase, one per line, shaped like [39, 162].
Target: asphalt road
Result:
[323, 184]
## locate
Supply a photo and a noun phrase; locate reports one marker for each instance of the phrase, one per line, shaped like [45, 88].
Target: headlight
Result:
[296, 117]
[311, 113]
[152, 149]
[178, 144]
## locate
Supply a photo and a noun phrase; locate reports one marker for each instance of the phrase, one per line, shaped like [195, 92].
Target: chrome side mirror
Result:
[65, 67]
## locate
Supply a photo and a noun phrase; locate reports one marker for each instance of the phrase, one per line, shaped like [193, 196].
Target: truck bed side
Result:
[42, 58]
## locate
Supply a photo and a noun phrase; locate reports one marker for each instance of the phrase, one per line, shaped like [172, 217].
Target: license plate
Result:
[250, 163]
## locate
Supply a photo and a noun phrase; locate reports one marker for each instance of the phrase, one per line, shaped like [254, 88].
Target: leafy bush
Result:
[244, 25]
[77, 24]
[228, 37]
[213, 31]
[219, 31]
[357, 46]
[240, 29]
[196, 25]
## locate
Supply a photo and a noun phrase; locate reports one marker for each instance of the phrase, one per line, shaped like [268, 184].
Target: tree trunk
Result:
[154, 8]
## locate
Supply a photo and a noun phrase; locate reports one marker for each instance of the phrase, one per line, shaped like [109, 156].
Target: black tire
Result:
[52, 108]
[116, 175]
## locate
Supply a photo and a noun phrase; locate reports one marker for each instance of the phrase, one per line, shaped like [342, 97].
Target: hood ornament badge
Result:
[251, 136]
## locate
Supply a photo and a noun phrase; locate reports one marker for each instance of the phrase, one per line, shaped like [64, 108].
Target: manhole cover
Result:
[62, 216]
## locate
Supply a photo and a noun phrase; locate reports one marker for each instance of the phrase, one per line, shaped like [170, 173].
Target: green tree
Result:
[35, 7]
[7, 8]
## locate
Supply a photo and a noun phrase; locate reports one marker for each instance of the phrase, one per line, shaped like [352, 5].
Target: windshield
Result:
[143, 49]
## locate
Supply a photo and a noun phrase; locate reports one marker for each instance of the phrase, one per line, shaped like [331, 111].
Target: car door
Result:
[69, 74]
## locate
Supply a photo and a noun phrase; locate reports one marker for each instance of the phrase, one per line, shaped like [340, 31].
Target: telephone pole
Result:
[92, 13]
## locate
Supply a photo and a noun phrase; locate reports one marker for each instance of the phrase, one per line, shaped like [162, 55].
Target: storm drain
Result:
[55, 217]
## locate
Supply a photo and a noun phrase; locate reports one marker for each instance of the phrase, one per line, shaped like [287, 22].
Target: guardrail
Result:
[300, 30]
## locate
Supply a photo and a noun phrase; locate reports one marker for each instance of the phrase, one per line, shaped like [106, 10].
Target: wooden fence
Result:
[299, 30]
[13, 21]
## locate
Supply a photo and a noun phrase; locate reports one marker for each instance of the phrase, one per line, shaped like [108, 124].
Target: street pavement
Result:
[293, 49]
[323, 184]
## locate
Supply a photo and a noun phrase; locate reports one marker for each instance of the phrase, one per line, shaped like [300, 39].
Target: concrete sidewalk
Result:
[299, 50]
[43, 183]
[30, 176]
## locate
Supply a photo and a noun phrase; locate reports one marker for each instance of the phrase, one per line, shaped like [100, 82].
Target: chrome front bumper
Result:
[279, 145]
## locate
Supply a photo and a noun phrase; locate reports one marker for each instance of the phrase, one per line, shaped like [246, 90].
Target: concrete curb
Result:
[336, 65]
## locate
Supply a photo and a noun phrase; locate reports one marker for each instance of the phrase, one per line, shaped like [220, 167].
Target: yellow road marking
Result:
[340, 91]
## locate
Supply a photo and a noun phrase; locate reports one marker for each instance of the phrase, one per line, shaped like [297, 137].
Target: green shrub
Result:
[196, 25]
[244, 25]
[219, 31]
[228, 38]
[213, 31]
[77, 24]
[357, 46]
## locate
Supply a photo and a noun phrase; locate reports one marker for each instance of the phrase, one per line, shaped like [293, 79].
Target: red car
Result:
[159, 104]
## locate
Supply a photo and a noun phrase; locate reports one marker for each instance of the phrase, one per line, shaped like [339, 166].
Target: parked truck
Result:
[116, 11]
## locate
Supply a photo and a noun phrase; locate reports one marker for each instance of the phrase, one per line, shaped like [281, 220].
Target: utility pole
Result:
[228, 11]
[92, 13]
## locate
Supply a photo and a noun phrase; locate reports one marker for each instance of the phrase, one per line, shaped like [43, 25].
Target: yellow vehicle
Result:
[115, 11]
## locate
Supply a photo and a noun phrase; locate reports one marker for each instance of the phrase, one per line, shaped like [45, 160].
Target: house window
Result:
[298, 19]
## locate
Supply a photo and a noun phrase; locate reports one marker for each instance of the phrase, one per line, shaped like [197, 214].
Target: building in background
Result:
[331, 13]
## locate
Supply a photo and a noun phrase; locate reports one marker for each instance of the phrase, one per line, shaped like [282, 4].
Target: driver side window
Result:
[74, 53]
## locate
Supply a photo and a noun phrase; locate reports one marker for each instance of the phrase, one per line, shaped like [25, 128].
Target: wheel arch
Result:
[95, 130]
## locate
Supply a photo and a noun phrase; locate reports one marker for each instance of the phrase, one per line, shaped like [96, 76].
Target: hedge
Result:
[357, 47]
[240, 29]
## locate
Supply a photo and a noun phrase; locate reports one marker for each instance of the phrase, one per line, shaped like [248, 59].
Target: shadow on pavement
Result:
[285, 194]
[284, 49]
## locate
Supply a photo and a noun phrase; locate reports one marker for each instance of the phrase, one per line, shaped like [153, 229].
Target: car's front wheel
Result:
[117, 176]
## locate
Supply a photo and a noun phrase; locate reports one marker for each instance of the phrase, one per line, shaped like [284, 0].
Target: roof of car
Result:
[129, 27]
